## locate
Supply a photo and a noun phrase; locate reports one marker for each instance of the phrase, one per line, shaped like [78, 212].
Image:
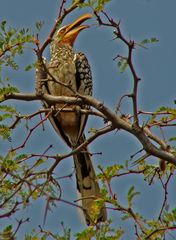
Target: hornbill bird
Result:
[73, 69]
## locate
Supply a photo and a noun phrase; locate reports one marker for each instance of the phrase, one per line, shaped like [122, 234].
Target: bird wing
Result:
[83, 83]
[83, 74]
[83, 86]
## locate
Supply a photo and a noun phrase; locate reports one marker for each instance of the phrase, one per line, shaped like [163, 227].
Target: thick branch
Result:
[117, 121]
[137, 131]
[43, 97]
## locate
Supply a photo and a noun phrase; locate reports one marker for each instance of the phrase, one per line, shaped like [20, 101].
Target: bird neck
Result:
[61, 51]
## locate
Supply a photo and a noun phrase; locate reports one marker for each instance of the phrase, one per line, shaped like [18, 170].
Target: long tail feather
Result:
[88, 187]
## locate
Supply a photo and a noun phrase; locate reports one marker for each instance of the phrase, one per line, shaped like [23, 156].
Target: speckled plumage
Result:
[83, 74]
[73, 69]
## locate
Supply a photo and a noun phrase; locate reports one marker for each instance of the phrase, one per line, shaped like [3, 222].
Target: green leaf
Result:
[172, 139]
[86, 234]
[7, 90]
[39, 162]
[28, 67]
[21, 157]
[7, 108]
[5, 132]
[3, 25]
[122, 64]
[131, 194]
[39, 25]
[7, 233]
[5, 116]
[96, 5]
[109, 172]
[125, 217]
[154, 40]
[9, 62]
[148, 41]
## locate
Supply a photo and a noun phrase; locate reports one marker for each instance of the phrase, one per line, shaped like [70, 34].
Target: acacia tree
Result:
[26, 177]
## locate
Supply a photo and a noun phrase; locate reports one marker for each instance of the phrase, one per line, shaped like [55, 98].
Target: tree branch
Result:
[117, 121]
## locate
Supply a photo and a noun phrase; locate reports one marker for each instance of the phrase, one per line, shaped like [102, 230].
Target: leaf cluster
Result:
[22, 181]
[6, 112]
[104, 232]
[7, 233]
[148, 41]
[12, 42]
[163, 115]
[96, 5]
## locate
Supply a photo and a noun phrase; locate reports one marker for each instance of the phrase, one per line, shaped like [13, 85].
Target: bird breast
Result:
[62, 68]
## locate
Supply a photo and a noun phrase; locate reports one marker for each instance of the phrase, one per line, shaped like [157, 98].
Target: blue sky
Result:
[156, 66]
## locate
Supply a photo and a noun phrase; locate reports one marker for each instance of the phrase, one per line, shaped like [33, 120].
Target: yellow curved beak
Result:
[69, 32]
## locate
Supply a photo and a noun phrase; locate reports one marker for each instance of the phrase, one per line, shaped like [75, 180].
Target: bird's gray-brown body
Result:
[73, 70]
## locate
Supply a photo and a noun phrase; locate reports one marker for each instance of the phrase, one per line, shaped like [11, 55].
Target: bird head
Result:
[67, 34]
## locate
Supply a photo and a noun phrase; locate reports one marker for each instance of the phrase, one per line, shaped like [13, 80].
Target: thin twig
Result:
[165, 186]
[164, 229]
[61, 8]
[30, 132]
[20, 222]
[99, 132]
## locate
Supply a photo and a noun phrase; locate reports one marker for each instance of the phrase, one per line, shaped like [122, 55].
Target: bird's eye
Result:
[62, 31]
